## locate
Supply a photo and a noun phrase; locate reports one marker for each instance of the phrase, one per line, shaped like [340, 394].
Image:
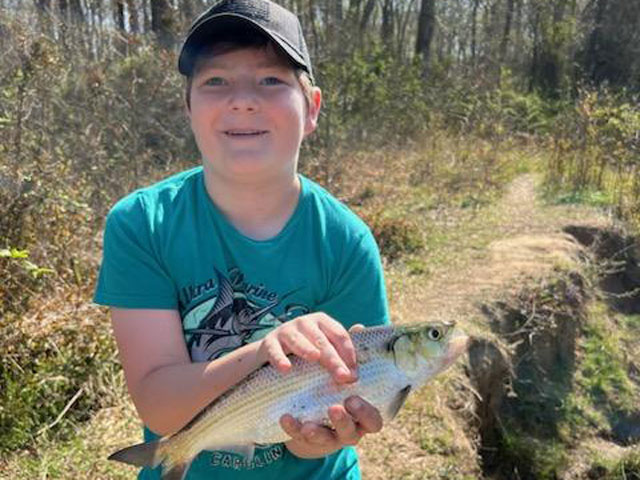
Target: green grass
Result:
[82, 456]
[594, 198]
[625, 468]
[603, 371]
[542, 459]
[51, 382]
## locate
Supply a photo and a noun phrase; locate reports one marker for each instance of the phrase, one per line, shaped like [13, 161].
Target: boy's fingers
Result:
[276, 355]
[358, 327]
[301, 346]
[346, 429]
[317, 435]
[329, 358]
[365, 415]
[341, 341]
[291, 426]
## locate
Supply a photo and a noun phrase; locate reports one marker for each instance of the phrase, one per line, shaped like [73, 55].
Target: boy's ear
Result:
[313, 111]
[185, 106]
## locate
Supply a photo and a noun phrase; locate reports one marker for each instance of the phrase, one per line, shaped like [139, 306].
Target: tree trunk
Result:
[426, 27]
[353, 11]
[146, 16]
[338, 12]
[187, 12]
[162, 22]
[591, 61]
[518, 36]
[386, 32]
[314, 28]
[119, 40]
[75, 10]
[504, 44]
[474, 29]
[134, 23]
[118, 15]
[330, 27]
[404, 25]
[533, 75]
[43, 10]
[366, 16]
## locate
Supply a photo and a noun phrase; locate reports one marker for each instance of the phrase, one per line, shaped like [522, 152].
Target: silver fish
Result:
[392, 361]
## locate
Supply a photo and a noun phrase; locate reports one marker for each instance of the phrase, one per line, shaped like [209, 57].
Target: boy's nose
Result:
[244, 99]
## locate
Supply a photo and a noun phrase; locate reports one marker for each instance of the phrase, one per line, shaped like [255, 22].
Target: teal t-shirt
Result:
[167, 246]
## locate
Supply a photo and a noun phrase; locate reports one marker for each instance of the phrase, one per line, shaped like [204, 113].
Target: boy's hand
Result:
[316, 338]
[351, 421]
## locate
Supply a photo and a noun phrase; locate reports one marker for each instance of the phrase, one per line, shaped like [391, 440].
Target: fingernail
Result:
[356, 403]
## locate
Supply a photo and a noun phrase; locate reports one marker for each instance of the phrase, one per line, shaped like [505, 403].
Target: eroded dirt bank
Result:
[550, 387]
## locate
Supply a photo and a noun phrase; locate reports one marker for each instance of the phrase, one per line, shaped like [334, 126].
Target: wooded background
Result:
[550, 45]
[445, 101]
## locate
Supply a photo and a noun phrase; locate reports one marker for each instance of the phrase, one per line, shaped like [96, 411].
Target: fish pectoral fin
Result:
[247, 451]
[396, 404]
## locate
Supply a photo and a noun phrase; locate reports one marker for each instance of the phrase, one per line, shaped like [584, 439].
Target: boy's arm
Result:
[168, 389]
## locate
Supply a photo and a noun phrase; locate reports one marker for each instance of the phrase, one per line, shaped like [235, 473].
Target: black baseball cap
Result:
[241, 17]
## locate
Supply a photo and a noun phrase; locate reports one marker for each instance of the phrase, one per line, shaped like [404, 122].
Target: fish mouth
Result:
[458, 344]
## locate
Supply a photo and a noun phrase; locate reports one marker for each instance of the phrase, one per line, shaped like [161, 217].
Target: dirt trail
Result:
[526, 240]
[522, 239]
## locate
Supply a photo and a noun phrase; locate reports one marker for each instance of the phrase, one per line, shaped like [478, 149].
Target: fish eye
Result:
[434, 334]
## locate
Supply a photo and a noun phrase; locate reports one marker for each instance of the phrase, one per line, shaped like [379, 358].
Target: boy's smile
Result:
[249, 114]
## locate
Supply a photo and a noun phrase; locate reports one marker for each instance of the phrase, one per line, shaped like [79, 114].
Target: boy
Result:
[219, 269]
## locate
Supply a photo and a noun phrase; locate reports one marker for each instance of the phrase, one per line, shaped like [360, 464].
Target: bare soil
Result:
[522, 241]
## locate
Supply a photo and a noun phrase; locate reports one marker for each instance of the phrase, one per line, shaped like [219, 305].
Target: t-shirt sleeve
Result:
[131, 274]
[358, 293]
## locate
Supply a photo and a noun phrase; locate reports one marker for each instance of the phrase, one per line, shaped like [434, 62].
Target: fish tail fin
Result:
[142, 455]
[152, 454]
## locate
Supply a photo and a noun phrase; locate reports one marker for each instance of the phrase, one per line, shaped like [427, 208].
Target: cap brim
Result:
[222, 25]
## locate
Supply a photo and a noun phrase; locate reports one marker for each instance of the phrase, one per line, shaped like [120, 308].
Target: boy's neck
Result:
[258, 210]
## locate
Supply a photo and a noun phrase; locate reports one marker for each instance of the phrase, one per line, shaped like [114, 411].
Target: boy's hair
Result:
[228, 43]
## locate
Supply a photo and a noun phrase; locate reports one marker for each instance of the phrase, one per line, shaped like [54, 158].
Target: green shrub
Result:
[395, 236]
[52, 377]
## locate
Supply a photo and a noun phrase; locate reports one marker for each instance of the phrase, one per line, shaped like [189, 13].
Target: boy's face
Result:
[249, 114]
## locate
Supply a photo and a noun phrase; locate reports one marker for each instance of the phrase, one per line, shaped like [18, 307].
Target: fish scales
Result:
[391, 361]
[306, 393]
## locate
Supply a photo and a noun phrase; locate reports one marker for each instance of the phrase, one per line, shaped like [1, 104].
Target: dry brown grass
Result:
[472, 256]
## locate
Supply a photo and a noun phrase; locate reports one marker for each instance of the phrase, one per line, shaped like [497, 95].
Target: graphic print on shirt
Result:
[230, 319]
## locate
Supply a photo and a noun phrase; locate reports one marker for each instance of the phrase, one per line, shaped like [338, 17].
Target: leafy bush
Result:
[493, 113]
[597, 147]
[53, 377]
[371, 99]
[395, 236]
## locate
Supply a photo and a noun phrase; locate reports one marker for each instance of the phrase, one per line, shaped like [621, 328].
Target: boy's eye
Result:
[271, 81]
[214, 81]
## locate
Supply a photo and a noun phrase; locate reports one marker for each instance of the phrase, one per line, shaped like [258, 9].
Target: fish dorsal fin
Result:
[395, 406]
